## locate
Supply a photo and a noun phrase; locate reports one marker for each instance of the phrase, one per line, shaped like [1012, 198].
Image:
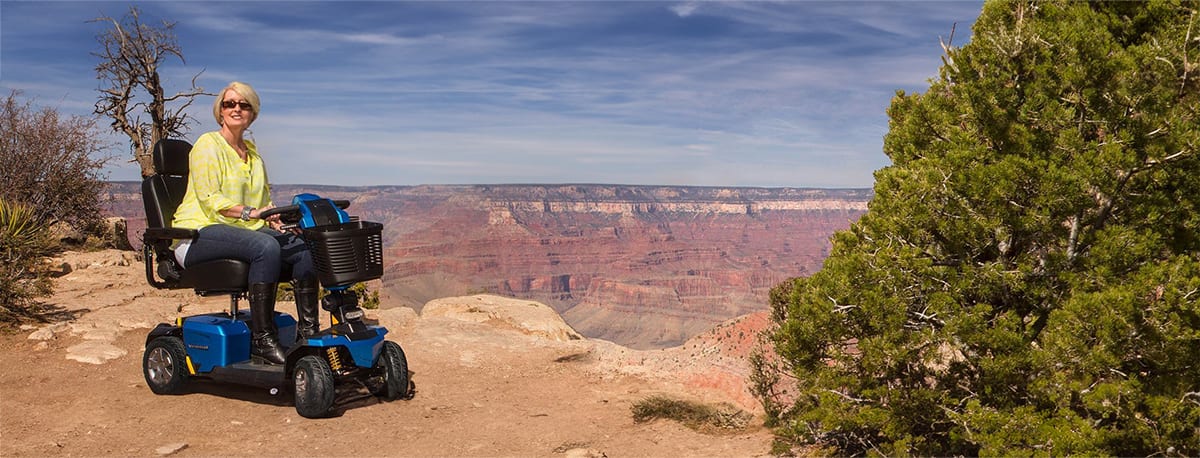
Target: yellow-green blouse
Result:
[219, 179]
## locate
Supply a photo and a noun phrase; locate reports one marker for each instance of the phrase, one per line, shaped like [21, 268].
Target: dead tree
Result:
[130, 86]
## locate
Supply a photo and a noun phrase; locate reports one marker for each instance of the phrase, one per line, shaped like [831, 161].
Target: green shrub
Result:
[367, 298]
[51, 164]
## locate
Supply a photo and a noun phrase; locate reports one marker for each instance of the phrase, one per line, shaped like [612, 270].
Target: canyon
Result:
[642, 266]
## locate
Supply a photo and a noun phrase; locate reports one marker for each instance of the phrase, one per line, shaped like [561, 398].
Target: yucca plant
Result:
[24, 246]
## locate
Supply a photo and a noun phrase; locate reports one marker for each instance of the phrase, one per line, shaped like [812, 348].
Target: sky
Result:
[699, 93]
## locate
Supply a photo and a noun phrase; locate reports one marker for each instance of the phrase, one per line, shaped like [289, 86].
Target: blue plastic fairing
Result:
[318, 211]
[217, 340]
[362, 349]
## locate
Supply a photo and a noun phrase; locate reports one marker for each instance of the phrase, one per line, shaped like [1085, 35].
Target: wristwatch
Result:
[246, 212]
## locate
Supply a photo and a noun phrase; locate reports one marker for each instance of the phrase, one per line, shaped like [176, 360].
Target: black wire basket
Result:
[346, 253]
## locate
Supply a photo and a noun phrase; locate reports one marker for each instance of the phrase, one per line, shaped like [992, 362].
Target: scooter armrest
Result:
[168, 233]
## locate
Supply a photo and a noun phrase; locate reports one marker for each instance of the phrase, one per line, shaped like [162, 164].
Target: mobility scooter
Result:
[216, 346]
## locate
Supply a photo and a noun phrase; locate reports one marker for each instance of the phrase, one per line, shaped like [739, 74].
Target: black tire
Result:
[394, 366]
[164, 364]
[312, 383]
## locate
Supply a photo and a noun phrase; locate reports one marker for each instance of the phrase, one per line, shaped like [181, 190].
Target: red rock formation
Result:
[643, 266]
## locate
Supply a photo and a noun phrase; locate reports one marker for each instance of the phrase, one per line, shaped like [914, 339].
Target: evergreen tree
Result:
[1027, 277]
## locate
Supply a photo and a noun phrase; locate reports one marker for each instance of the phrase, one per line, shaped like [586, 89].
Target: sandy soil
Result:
[483, 388]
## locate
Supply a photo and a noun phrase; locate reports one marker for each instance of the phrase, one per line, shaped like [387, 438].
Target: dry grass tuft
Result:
[700, 417]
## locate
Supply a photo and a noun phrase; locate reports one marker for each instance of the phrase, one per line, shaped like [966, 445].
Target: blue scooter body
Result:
[216, 340]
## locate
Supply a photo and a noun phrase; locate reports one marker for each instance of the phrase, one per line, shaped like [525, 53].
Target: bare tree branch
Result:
[130, 55]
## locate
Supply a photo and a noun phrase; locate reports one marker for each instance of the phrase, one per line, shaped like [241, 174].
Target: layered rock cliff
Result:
[643, 266]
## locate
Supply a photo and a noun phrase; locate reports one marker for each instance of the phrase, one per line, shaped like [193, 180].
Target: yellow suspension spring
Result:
[335, 358]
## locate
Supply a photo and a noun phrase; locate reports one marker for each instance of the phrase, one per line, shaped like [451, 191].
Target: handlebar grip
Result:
[295, 208]
[278, 211]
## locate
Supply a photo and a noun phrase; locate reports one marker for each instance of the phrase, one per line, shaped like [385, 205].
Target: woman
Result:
[226, 194]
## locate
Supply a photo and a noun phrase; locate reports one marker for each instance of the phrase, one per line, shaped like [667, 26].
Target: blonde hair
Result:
[241, 89]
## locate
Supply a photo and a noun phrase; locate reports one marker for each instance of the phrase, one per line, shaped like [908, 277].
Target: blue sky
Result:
[712, 93]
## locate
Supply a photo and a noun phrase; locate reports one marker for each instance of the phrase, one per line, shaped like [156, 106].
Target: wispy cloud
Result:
[685, 9]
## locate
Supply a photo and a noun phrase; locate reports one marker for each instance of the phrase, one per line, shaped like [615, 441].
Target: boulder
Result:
[116, 233]
[527, 317]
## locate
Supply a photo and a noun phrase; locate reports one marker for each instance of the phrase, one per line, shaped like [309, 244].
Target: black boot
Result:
[264, 339]
[308, 321]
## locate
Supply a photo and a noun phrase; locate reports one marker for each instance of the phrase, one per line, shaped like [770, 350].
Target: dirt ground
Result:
[481, 390]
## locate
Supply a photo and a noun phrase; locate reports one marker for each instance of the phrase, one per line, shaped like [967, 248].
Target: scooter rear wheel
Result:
[164, 364]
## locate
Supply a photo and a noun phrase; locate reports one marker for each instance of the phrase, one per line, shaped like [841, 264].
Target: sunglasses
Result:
[230, 104]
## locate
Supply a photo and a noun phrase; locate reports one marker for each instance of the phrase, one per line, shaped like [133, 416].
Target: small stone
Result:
[42, 334]
[584, 453]
[136, 324]
[171, 449]
[104, 333]
[49, 332]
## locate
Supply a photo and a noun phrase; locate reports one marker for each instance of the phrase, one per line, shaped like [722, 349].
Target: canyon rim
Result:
[641, 266]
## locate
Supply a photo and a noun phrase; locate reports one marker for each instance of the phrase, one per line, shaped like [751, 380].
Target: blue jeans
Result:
[266, 250]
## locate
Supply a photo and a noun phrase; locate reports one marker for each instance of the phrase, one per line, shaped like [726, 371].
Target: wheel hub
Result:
[160, 366]
[301, 382]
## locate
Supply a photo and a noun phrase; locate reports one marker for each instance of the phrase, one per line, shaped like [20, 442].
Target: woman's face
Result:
[235, 110]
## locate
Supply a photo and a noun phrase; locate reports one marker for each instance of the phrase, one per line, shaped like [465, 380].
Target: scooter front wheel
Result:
[394, 366]
[313, 384]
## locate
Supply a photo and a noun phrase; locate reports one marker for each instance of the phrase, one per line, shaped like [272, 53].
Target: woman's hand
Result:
[273, 221]
[257, 213]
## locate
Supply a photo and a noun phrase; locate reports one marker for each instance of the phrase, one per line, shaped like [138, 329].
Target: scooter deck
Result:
[250, 373]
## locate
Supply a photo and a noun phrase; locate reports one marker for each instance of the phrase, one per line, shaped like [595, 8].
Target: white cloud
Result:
[685, 9]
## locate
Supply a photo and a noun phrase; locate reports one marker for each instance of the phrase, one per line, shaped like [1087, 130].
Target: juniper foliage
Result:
[1027, 278]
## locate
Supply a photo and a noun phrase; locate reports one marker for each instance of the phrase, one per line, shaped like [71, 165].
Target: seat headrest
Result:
[171, 156]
